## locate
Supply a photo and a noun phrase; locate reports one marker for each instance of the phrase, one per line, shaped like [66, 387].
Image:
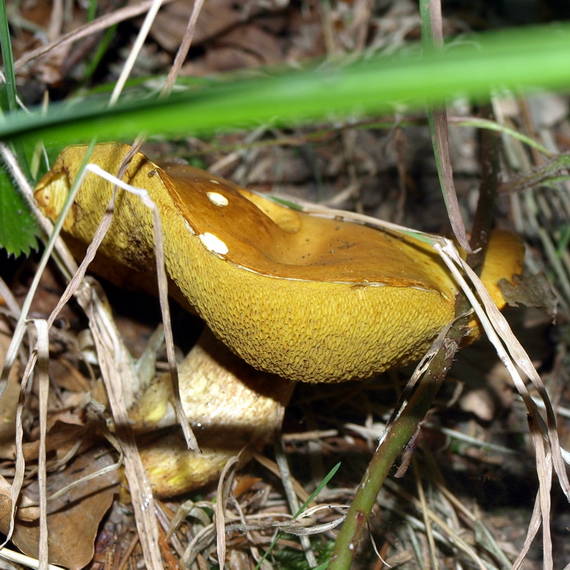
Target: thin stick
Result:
[183, 49]
[396, 438]
[42, 347]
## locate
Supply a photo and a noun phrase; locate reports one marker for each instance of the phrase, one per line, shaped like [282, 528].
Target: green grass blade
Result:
[17, 226]
[7, 59]
[518, 59]
[326, 480]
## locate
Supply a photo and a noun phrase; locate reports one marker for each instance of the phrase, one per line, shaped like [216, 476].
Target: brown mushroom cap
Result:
[308, 298]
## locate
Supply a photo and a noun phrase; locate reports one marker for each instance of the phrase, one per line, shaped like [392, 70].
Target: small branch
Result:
[401, 431]
[552, 171]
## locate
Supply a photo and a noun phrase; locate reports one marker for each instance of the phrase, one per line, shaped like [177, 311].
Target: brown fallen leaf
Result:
[216, 17]
[73, 518]
[8, 403]
[61, 438]
[244, 47]
[530, 291]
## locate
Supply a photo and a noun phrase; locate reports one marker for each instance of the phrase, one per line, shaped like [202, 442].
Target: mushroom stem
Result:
[230, 405]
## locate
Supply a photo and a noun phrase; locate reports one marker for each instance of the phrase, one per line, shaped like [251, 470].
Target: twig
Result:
[489, 161]
[399, 434]
[134, 53]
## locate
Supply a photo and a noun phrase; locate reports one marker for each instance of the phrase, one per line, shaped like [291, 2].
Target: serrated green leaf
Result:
[18, 228]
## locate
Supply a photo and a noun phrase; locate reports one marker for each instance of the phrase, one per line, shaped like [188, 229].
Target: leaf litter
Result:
[326, 443]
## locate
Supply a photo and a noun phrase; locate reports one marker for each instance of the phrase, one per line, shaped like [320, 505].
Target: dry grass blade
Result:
[114, 362]
[438, 124]
[20, 464]
[523, 362]
[224, 485]
[9, 299]
[541, 510]
[83, 480]
[133, 54]
[98, 25]
[189, 436]
[272, 467]
[42, 349]
[497, 328]
[56, 20]
[184, 47]
[432, 36]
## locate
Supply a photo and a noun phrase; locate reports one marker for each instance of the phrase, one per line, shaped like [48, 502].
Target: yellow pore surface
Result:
[308, 298]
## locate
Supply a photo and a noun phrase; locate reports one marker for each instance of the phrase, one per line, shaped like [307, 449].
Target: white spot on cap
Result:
[217, 199]
[213, 243]
[214, 181]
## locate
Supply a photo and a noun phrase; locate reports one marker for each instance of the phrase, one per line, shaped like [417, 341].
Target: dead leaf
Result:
[530, 291]
[62, 436]
[216, 17]
[8, 403]
[74, 518]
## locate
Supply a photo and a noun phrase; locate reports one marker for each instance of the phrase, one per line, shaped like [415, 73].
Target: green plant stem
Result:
[7, 58]
[400, 433]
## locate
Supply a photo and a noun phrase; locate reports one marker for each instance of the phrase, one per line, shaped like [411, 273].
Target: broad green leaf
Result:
[17, 226]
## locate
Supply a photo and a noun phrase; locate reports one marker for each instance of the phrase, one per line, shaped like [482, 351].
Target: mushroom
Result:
[308, 298]
[303, 297]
